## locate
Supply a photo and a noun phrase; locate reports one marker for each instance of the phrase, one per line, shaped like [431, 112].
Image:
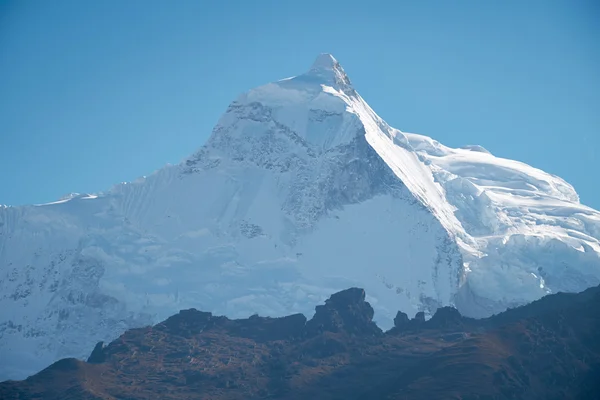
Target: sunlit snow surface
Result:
[301, 190]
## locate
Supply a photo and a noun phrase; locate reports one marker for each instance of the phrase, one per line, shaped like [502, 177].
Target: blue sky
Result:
[94, 93]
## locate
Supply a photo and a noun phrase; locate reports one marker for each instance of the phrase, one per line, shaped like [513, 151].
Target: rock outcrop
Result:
[346, 311]
[546, 350]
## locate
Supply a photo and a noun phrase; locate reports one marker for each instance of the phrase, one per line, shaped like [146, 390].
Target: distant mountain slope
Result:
[546, 350]
[301, 191]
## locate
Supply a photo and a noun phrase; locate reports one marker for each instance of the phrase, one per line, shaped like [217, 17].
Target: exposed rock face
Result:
[345, 311]
[547, 350]
[445, 317]
[401, 321]
[97, 356]
[187, 323]
[419, 317]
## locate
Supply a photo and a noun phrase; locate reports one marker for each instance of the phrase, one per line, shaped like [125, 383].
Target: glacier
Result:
[302, 190]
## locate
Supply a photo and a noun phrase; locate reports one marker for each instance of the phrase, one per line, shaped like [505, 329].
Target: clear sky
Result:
[93, 93]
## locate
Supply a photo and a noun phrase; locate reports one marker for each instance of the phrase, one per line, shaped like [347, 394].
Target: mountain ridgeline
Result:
[549, 349]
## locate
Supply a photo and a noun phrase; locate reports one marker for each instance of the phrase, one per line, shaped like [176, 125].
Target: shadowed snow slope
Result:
[301, 190]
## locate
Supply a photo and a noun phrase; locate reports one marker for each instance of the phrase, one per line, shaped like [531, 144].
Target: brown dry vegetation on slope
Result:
[549, 349]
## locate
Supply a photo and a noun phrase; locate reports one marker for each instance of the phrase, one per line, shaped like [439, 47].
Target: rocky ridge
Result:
[546, 350]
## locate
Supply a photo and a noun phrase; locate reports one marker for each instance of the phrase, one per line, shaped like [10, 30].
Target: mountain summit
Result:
[325, 62]
[328, 68]
[301, 190]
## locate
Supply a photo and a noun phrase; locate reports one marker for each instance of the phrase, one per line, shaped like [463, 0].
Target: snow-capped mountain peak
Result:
[319, 107]
[301, 190]
[327, 68]
[325, 62]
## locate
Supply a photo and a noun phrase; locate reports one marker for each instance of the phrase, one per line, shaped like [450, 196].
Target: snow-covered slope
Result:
[301, 190]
